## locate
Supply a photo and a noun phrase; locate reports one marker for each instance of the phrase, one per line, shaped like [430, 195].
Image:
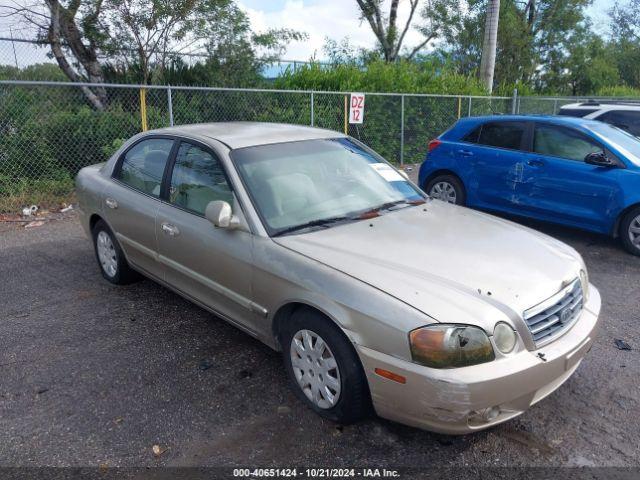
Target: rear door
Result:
[211, 265]
[132, 200]
[494, 153]
[559, 185]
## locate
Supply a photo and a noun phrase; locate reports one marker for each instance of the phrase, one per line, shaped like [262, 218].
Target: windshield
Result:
[312, 183]
[623, 142]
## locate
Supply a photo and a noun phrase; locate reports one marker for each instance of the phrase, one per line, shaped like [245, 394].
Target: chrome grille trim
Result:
[545, 319]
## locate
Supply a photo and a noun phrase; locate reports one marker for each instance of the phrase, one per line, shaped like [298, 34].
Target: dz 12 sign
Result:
[356, 111]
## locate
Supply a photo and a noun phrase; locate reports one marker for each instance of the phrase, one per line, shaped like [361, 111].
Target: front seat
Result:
[292, 192]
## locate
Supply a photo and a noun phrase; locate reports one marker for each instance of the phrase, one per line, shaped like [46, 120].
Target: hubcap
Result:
[107, 254]
[634, 231]
[315, 368]
[444, 191]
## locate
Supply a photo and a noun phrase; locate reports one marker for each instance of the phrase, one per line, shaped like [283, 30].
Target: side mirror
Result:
[220, 214]
[599, 159]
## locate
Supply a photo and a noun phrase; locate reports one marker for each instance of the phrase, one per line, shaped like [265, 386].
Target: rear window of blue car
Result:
[498, 134]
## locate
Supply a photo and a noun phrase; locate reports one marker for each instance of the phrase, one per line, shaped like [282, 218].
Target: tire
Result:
[111, 260]
[450, 182]
[630, 231]
[352, 402]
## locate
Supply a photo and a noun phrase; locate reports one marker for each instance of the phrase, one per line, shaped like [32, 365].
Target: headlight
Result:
[504, 337]
[584, 283]
[450, 346]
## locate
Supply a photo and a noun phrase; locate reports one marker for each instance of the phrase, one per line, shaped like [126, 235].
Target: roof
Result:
[603, 104]
[559, 119]
[248, 134]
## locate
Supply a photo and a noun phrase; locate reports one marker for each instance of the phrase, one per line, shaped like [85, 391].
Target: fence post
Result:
[401, 130]
[143, 108]
[346, 115]
[555, 106]
[514, 101]
[170, 105]
[312, 112]
[469, 106]
[459, 107]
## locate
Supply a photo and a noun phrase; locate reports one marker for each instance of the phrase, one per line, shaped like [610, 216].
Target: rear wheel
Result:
[324, 368]
[447, 188]
[630, 231]
[113, 264]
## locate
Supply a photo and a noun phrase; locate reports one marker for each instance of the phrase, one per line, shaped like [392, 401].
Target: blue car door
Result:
[559, 186]
[494, 156]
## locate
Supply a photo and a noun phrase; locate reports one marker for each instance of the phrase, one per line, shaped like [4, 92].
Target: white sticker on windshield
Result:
[386, 172]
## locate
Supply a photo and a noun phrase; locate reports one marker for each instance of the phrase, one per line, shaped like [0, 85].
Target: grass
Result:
[16, 193]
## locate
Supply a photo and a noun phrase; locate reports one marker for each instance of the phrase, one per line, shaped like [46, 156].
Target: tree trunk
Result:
[488, 62]
[63, 26]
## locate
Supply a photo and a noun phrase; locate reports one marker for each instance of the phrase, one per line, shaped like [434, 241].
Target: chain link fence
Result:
[48, 130]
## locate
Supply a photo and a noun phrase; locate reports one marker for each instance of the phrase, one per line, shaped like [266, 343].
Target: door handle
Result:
[465, 153]
[170, 230]
[111, 203]
[535, 163]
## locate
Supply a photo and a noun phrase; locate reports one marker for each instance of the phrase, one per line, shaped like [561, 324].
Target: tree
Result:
[488, 62]
[385, 28]
[625, 40]
[69, 29]
[534, 37]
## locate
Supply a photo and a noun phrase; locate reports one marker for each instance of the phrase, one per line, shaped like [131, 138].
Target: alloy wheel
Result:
[315, 368]
[444, 191]
[634, 232]
[107, 254]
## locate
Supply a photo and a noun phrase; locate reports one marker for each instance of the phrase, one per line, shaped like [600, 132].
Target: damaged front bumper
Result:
[464, 400]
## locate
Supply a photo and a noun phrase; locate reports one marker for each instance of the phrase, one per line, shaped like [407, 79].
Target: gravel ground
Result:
[93, 374]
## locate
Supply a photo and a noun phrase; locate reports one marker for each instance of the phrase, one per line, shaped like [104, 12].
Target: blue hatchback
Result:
[572, 171]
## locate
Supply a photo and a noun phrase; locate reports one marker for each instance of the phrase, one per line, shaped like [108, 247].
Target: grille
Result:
[554, 316]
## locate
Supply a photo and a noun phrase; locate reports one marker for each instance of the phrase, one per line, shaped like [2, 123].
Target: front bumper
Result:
[457, 401]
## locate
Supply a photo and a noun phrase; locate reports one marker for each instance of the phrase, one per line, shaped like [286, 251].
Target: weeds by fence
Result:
[48, 131]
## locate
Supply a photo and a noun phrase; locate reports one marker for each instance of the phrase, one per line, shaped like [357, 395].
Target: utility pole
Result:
[488, 62]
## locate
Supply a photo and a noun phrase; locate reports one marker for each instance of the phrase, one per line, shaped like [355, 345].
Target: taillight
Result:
[433, 144]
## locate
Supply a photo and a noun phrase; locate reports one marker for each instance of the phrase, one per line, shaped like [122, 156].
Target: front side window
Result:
[143, 165]
[628, 120]
[197, 179]
[295, 184]
[563, 142]
[502, 135]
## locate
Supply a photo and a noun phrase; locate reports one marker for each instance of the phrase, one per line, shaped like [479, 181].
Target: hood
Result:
[453, 264]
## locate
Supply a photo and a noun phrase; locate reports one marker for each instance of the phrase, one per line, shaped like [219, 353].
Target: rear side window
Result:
[143, 165]
[197, 179]
[503, 135]
[576, 112]
[627, 120]
[563, 142]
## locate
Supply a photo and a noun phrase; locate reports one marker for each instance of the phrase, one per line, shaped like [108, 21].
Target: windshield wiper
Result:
[321, 222]
[386, 206]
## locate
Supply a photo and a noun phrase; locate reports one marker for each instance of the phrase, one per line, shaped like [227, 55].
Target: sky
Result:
[336, 19]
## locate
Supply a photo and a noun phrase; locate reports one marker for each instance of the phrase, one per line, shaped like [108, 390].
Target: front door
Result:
[559, 185]
[132, 200]
[211, 265]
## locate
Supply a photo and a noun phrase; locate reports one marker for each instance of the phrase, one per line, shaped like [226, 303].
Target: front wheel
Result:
[323, 367]
[630, 231]
[446, 188]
